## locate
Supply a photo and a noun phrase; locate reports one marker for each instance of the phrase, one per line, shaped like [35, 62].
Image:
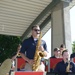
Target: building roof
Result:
[18, 16]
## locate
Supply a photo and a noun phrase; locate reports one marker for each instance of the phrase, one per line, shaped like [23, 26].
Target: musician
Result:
[13, 60]
[56, 53]
[29, 47]
[72, 56]
[16, 54]
[9, 63]
[61, 67]
[62, 48]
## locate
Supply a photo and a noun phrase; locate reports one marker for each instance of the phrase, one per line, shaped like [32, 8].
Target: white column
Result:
[60, 30]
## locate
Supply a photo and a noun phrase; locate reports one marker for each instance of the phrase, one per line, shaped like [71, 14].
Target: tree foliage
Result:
[8, 46]
[73, 47]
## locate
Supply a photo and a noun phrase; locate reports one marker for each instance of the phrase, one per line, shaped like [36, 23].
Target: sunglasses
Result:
[36, 30]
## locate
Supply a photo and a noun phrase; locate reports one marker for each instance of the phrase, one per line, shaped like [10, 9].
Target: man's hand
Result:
[30, 61]
[41, 48]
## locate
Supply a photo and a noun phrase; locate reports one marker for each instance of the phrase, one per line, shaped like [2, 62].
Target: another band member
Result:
[56, 53]
[72, 56]
[63, 67]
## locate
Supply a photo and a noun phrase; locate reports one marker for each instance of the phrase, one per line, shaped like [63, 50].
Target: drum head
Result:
[5, 67]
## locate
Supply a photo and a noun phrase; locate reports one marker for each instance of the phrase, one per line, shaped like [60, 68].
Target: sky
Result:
[47, 36]
[72, 23]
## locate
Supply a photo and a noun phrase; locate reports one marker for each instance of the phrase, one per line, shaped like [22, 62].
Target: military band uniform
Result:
[61, 67]
[72, 56]
[29, 47]
[65, 66]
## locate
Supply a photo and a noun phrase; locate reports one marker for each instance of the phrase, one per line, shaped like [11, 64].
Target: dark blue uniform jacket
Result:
[29, 47]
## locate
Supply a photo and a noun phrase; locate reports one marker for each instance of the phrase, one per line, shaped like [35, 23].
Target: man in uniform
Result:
[28, 49]
[65, 65]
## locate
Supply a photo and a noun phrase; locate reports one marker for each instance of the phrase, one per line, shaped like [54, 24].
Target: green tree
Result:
[8, 46]
[73, 47]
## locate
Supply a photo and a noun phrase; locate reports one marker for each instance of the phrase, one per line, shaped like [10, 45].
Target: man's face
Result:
[56, 53]
[35, 31]
[65, 55]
